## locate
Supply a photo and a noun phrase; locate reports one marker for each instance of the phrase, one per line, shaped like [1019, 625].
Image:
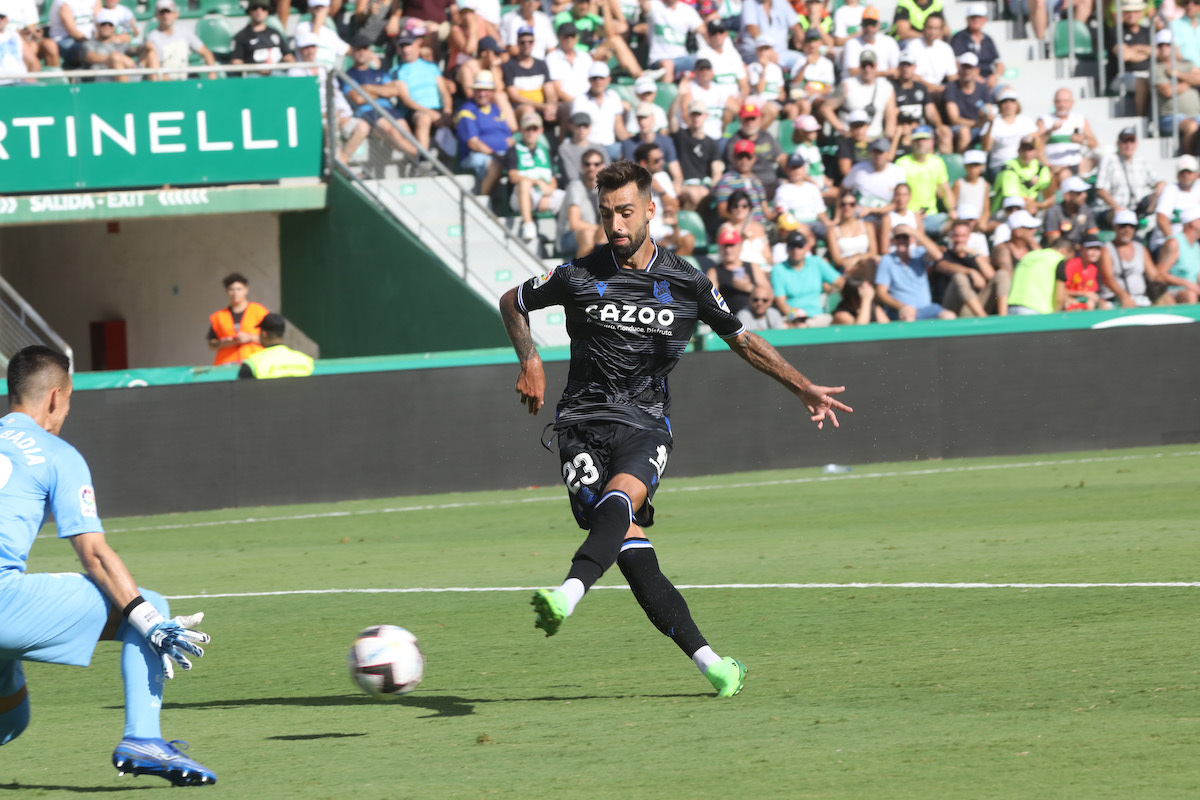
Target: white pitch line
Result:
[708, 487]
[905, 585]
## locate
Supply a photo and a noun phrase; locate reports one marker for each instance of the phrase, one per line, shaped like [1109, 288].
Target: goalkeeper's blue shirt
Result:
[39, 474]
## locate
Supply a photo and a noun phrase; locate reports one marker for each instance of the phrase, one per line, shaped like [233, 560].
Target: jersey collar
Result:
[649, 264]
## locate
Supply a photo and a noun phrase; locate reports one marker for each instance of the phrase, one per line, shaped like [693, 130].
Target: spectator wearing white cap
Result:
[1124, 180]
[606, 109]
[968, 103]
[875, 181]
[1021, 239]
[103, 51]
[972, 192]
[527, 80]
[1179, 260]
[775, 19]
[14, 58]
[1178, 101]
[331, 49]
[723, 101]
[885, 48]
[1176, 199]
[485, 132]
[174, 46]
[646, 89]
[1072, 218]
[1039, 281]
[972, 39]
[569, 67]
[1067, 138]
[1002, 135]
[668, 24]
[767, 83]
[936, 61]
[854, 147]
[1135, 48]
[1126, 269]
[527, 15]
[531, 175]
[699, 157]
[915, 104]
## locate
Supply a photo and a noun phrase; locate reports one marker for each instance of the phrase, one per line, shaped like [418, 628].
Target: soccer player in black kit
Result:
[631, 308]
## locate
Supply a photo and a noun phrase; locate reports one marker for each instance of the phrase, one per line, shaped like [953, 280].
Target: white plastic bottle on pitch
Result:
[836, 469]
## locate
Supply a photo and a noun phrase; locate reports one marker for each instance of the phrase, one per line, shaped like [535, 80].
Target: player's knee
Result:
[14, 721]
[157, 600]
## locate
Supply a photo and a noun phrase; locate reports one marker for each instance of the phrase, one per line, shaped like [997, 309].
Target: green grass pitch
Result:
[856, 690]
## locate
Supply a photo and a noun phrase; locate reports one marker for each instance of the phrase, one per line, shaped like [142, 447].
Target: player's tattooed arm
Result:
[766, 359]
[531, 383]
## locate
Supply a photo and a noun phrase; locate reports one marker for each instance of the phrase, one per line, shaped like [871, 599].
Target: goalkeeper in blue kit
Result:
[58, 618]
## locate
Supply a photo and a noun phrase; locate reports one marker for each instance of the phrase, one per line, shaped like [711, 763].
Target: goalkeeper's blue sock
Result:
[141, 669]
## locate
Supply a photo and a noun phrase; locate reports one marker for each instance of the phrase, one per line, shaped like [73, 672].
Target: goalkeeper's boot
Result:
[161, 758]
[550, 605]
[727, 676]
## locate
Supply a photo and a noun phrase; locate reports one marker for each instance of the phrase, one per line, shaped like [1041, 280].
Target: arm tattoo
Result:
[766, 359]
[516, 325]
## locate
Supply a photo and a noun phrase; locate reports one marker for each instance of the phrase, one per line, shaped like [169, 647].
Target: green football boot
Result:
[727, 676]
[551, 608]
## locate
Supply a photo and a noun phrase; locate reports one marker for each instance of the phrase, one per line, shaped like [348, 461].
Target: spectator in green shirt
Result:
[925, 172]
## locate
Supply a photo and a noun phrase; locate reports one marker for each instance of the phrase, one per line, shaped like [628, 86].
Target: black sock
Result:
[658, 597]
[611, 518]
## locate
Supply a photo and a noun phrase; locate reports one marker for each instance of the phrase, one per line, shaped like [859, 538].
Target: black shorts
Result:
[592, 452]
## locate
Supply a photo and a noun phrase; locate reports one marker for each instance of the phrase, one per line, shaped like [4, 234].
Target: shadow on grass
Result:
[304, 737]
[36, 787]
[440, 705]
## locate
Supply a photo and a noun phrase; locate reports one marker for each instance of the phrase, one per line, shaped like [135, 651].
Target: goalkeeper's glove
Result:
[172, 639]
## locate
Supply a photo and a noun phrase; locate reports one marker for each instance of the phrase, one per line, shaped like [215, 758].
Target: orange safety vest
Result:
[222, 325]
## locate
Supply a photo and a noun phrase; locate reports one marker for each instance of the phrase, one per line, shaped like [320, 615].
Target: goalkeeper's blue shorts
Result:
[52, 617]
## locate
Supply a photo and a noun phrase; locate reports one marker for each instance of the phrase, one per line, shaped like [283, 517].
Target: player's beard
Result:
[625, 251]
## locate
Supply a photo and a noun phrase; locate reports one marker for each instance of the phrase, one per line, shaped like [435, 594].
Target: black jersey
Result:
[628, 329]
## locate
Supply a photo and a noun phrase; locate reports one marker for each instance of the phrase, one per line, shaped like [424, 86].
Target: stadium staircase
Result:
[21, 326]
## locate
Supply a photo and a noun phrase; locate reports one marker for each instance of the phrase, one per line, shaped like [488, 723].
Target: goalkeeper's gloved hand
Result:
[172, 639]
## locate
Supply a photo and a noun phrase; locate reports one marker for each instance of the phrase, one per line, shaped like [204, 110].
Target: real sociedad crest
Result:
[662, 292]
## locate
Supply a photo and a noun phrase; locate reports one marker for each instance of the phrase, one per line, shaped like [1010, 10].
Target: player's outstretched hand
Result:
[172, 639]
[822, 405]
[531, 385]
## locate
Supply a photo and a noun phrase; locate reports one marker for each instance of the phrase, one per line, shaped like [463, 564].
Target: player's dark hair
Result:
[622, 173]
[35, 371]
[235, 277]
[1062, 243]
[643, 151]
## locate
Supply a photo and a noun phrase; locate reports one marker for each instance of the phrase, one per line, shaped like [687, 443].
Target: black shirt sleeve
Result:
[711, 309]
[550, 289]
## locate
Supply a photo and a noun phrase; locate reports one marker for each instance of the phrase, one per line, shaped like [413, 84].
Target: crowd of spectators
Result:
[854, 217]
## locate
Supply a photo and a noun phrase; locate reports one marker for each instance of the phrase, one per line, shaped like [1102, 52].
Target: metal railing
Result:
[21, 326]
[475, 220]
[160, 73]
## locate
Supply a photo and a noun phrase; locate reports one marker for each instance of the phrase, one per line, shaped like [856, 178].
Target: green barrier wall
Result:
[360, 284]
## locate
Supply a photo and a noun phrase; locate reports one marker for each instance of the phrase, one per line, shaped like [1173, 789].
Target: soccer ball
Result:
[386, 662]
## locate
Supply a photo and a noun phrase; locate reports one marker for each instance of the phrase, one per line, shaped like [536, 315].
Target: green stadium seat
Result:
[954, 167]
[625, 92]
[786, 126]
[692, 260]
[667, 92]
[693, 223]
[1084, 47]
[217, 35]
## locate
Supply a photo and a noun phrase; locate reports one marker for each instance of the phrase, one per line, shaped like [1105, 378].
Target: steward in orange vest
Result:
[233, 331]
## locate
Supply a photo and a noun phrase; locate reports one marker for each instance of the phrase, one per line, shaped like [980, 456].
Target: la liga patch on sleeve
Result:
[87, 502]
